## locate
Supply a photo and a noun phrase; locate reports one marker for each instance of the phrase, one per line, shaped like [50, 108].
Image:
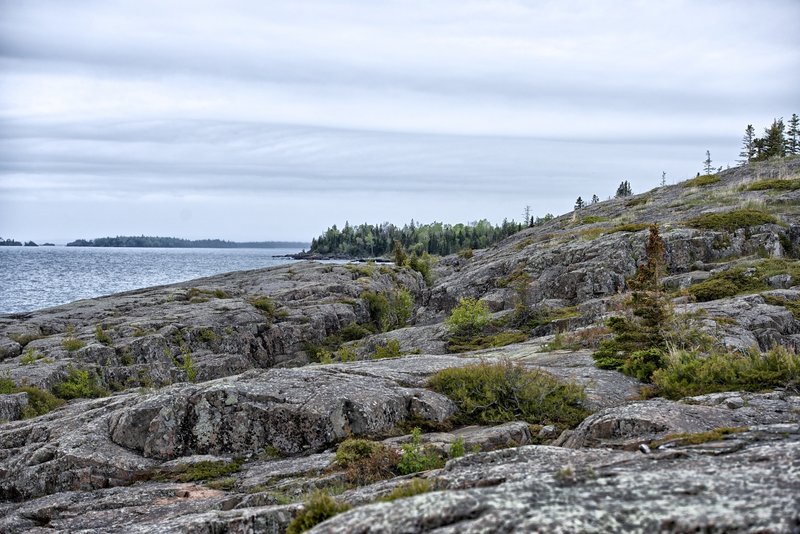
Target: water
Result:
[32, 278]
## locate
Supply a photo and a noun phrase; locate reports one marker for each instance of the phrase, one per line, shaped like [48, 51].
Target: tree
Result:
[624, 189]
[707, 163]
[663, 178]
[579, 204]
[527, 215]
[748, 145]
[774, 140]
[793, 141]
[595, 199]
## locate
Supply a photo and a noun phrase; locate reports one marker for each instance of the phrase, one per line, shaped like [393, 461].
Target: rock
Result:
[734, 402]
[780, 281]
[548, 432]
[628, 425]
[550, 489]
[12, 406]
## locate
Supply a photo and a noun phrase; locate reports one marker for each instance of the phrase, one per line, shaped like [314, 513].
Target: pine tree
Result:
[624, 189]
[774, 141]
[595, 199]
[527, 214]
[707, 163]
[663, 178]
[793, 136]
[748, 145]
[579, 204]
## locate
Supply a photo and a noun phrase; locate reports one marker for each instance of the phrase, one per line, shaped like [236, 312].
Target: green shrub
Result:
[792, 184]
[365, 461]
[628, 227]
[640, 201]
[346, 354]
[744, 278]
[493, 393]
[416, 458]
[207, 470]
[700, 181]
[415, 486]
[319, 507]
[457, 448]
[501, 339]
[466, 253]
[423, 265]
[264, 304]
[354, 332]
[79, 384]
[593, 219]
[390, 349]
[730, 221]
[71, 344]
[206, 335]
[698, 438]
[689, 373]
[7, 384]
[403, 306]
[102, 337]
[31, 356]
[40, 401]
[389, 311]
[642, 363]
[468, 318]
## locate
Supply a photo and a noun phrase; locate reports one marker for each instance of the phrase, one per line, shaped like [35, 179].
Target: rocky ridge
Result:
[215, 372]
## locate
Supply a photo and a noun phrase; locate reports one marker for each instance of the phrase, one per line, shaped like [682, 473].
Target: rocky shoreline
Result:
[221, 402]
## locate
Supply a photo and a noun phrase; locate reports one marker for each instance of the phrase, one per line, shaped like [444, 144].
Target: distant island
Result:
[176, 242]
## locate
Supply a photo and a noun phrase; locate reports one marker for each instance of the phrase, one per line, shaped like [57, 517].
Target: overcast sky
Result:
[258, 120]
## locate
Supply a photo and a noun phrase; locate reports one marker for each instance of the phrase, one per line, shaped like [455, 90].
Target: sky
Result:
[272, 120]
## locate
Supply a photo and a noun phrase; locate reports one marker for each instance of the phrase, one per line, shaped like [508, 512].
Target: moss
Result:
[689, 373]
[699, 438]
[592, 219]
[79, 384]
[700, 181]
[207, 470]
[102, 337]
[319, 507]
[492, 393]
[744, 278]
[415, 486]
[791, 305]
[792, 184]
[730, 221]
[223, 484]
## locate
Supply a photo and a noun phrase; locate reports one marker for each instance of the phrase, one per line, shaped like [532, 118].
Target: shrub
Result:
[423, 265]
[207, 469]
[697, 438]
[700, 181]
[354, 331]
[31, 356]
[102, 337]
[71, 344]
[492, 393]
[365, 461]
[390, 349]
[206, 335]
[689, 373]
[628, 227]
[79, 384]
[465, 253]
[389, 311]
[457, 448]
[264, 304]
[319, 507]
[346, 354]
[416, 458]
[501, 339]
[743, 278]
[732, 220]
[40, 401]
[415, 486]
[468, 318]
[781, 185]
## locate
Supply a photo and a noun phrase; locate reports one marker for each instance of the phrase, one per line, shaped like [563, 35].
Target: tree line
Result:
[176, 242]
[777, 142]
[435, 238]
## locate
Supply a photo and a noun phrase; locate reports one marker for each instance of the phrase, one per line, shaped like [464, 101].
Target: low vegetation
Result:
[415, 486]
[688, 373]
[743, 278]
[207, 470]
[71, 344]
[40, 401]
[102, 336]
[698, 438]
[792, 184]
[731, 221]
[389, 311]
[80, 384]
[416, 458]
[700, 181]
[366, 461]
[319, 507]
[493, 393]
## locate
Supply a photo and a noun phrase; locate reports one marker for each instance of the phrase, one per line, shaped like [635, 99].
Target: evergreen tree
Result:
[748, 152]
[793, 136]
[595, 199]
[707, 163]
[663, 178]
[579, 204]
[774, 141]
[624, 189]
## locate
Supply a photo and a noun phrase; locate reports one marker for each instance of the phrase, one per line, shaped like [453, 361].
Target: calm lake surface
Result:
[32, 278]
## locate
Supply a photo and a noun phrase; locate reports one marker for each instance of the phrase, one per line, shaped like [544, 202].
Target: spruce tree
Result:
[579, 204]
[774, 140]
[595, 199]
[707, 163]
[748, 145]
[793, 136]
[624, 189]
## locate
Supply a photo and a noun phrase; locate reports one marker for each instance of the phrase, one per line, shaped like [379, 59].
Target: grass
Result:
[415, 486]
[730, 221]
[206, 335]
[32, 356]
[700, 181]
[102, 337]
[24, 339]
[592, 219]
[629, 227]
[416, 458]
[265, 305]
[792, 184]
[500, 339]
[640, 201]
[689, 373]
[71, 344]
[493, 393]
[79, 384]
[207, 470]
[319, 507]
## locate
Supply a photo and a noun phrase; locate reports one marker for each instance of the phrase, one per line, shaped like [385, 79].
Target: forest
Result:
[435, 238]
[175, 242]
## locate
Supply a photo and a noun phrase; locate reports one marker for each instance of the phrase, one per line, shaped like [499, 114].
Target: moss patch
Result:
[699, 438]
[730, 221]
[700, 181]
[792, 184]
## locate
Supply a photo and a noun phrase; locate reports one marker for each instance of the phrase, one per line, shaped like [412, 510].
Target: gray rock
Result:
[548, 432]
[12, 406]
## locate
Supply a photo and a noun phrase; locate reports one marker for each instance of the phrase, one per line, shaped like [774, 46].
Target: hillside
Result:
[221, 404]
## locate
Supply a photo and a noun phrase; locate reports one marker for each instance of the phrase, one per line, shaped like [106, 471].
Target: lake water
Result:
[32, 278]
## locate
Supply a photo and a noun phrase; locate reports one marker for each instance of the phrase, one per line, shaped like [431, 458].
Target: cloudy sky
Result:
[256, 120]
